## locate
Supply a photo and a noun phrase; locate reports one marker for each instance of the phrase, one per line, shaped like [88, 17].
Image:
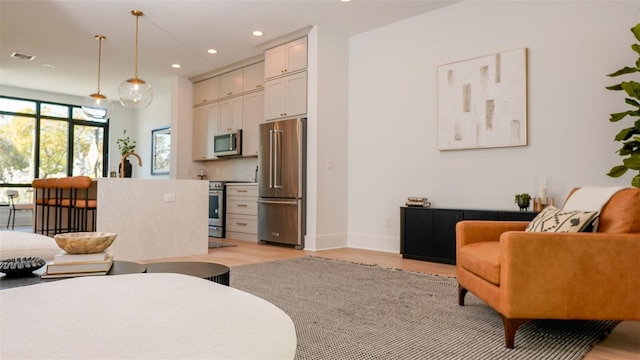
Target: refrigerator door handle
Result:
[276, 179]
[278, 202]
[270, 159]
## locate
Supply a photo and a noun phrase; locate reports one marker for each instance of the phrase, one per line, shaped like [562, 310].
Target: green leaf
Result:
[632, 88]
[632, 102]
[635, 182]
[615, 87]
[636, 31]
[636, 48]
[617, 171]
[632, 162]
[624, 134]
[619, 116]
[624, 70]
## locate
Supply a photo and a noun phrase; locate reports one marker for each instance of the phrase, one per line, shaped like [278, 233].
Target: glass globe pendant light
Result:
[135, 93]
[96, 105]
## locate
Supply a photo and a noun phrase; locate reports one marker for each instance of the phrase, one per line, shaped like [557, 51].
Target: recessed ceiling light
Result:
[345, 0]
[212, 51]
[19, 56]
[48, 66]
[176, 66]
[257, 33]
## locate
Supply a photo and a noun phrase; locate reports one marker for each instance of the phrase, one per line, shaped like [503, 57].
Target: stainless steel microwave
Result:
[228, 143]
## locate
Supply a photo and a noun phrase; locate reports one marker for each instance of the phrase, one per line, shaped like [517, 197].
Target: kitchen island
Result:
[154, 218]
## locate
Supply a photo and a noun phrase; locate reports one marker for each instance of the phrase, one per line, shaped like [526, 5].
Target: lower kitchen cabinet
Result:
[430, 234]
[241, 221]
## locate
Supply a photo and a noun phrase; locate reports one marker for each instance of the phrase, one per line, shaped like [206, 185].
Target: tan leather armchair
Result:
[547, 275]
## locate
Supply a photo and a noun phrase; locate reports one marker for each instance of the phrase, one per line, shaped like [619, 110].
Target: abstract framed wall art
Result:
[482, 102]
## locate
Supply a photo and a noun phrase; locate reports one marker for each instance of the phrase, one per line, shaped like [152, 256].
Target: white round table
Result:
[141, 316]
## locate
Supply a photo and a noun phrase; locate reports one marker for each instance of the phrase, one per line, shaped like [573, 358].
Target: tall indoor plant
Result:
[630, 137]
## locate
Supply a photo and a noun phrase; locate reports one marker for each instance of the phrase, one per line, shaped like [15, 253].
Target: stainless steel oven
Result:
[216, 209]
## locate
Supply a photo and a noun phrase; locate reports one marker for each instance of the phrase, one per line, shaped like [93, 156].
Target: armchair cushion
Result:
[552, 219]
[482, 259]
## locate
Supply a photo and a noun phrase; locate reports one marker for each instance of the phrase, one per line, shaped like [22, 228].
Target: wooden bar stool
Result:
[64, 204]
[44, 199]
[82, 204]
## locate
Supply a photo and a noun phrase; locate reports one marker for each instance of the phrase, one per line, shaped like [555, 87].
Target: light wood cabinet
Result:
[205, 125]
[230, 114]
[253, 77]
[228, 102]
[231, 83]
[205, 91]
[285, 96]
[252, 115]
[286, 58]
[241, 221]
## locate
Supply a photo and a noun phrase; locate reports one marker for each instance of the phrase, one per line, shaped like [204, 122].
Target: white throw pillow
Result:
[552, 219]
[15, 244]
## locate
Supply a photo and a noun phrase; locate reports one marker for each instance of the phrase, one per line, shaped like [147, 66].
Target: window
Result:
[42, 139]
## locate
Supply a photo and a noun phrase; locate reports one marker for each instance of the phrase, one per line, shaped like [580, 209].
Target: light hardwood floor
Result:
[622, 343]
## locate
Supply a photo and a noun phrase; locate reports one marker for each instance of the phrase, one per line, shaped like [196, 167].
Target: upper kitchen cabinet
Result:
[285, 59]
[253, 77]
[285, 96]
[205, 125]
[231, 83]
[230, 114]
[205, 91]
[251, 119]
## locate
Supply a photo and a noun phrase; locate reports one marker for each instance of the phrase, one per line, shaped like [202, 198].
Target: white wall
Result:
[181, 128]
[393, 108]
[327, 164]
[157, 115]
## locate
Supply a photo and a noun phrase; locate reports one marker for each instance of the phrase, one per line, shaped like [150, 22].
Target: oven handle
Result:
[278, 202]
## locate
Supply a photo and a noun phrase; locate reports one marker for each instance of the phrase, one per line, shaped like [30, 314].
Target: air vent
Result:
[22, 56]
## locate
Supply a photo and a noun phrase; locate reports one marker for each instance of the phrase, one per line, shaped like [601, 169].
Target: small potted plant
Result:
[126, 146]
[523, 201]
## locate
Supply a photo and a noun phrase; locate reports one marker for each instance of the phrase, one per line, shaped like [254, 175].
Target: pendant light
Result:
[96, 105]
[135, 93]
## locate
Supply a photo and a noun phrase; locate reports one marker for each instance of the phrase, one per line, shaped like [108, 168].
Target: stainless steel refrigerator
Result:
[281, 182]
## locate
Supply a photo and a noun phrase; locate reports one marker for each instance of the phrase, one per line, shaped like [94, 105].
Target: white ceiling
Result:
[61, 33]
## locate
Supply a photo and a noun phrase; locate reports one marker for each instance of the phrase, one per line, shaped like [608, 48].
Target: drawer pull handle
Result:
[242, 205]
[242, 191]
[241, 224]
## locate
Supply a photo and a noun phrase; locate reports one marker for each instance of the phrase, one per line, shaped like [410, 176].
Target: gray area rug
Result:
[350, 311]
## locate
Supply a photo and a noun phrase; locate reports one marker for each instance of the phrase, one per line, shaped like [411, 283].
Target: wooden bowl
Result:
[84, 242]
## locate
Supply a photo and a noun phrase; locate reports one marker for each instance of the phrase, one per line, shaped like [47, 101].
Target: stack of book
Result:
[72, 265]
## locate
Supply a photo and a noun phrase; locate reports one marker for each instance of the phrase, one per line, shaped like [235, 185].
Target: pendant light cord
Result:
[136, 72]
[100, 38]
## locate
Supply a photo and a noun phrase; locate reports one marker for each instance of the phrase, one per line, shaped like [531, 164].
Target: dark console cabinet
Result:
[430, 234]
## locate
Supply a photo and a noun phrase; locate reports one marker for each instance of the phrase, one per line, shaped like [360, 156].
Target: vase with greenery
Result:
[126, 145]
[523, 201]
[630, 136]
